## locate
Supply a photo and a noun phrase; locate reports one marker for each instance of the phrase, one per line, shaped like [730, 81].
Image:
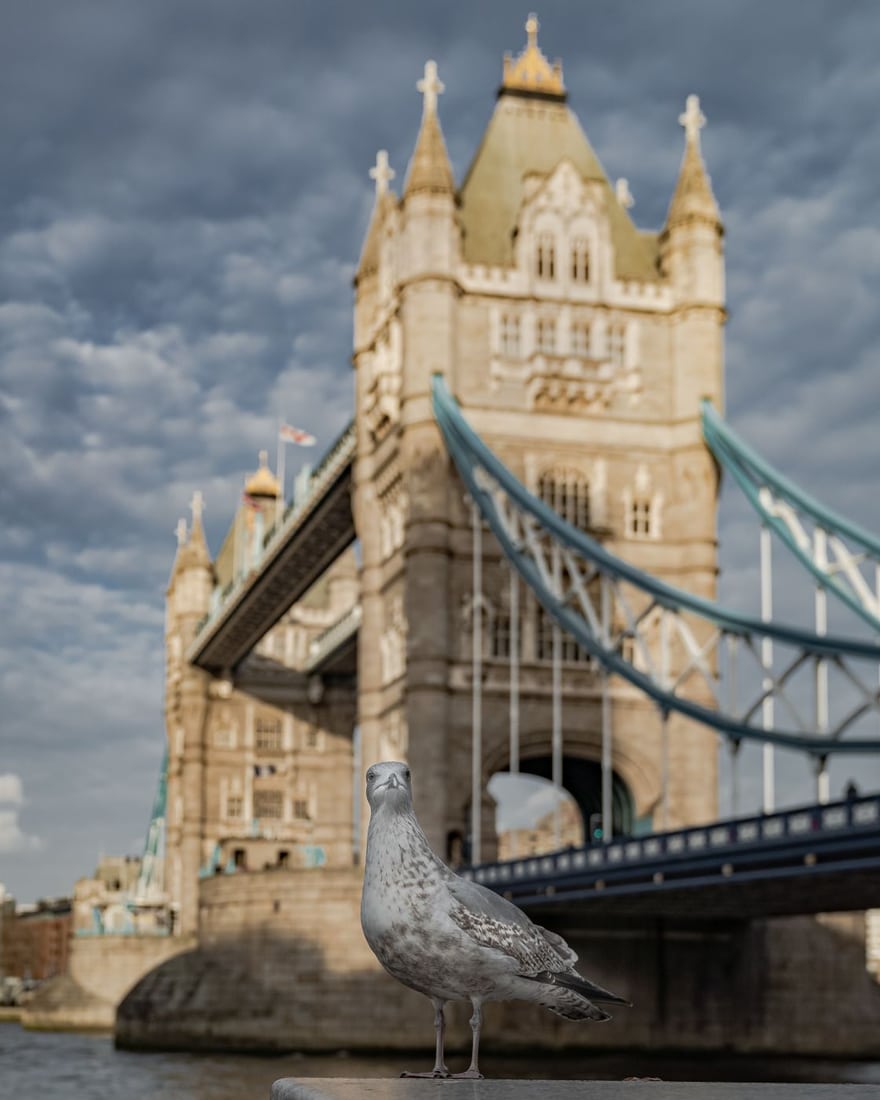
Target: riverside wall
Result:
[282, 965]
[101, 970]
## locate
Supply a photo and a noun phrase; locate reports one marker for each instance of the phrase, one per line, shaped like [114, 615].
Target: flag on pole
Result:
[296, 435]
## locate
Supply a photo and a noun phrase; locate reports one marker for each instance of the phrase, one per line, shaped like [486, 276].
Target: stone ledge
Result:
[346, 1088]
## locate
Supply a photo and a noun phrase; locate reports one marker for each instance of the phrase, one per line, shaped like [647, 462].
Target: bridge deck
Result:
[810, 860]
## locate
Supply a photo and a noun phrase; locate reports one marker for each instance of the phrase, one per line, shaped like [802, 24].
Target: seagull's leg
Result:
[473, 1069]
[439, 1069]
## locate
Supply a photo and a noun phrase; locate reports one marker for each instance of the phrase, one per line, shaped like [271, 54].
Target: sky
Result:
[183, 198]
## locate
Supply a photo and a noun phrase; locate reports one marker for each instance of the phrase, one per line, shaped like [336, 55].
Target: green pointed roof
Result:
[525, 136]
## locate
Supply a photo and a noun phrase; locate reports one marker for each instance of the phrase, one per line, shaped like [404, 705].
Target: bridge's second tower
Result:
[579, 347]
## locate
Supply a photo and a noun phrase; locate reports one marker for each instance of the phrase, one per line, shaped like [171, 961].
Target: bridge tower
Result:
[579, 347]
[259, 754]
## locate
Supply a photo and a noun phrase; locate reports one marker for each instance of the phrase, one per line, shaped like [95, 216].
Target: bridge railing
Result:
[661, 852]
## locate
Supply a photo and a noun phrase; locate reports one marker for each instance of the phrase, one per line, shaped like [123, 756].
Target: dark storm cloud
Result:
[182, 203]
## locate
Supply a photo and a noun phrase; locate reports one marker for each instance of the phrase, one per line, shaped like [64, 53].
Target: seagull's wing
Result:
[495, 922]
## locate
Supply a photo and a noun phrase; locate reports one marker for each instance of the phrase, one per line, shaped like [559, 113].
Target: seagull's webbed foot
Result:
[435, 1073]
[470, 1074]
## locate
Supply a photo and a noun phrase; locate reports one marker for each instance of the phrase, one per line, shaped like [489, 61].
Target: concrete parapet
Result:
[349, 1089]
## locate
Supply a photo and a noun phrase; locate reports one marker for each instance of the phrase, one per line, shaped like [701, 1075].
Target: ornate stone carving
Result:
[579, 385]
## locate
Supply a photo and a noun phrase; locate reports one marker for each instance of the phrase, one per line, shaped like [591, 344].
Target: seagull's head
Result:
[388, 784]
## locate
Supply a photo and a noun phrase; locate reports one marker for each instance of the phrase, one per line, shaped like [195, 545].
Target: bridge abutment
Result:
[282, 965]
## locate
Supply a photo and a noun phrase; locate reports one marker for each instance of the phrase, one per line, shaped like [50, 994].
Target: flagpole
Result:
[279, 500]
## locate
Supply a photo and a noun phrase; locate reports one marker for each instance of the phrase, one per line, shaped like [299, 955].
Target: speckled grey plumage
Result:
[450, 938]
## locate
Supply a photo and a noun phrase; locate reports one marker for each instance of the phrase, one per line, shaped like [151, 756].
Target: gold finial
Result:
[531, 71]
[263, 483]
[198, 506]
[180, 531]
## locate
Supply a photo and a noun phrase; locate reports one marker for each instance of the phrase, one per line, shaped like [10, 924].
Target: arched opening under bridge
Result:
[580, 803]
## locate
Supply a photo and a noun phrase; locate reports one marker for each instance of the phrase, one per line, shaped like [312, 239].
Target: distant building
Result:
[103, 903]
[36, 939]
[542, 836]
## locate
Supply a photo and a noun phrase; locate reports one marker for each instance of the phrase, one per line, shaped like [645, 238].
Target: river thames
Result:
[67, 1066]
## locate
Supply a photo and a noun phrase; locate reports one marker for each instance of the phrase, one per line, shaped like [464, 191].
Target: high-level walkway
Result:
[312, 534]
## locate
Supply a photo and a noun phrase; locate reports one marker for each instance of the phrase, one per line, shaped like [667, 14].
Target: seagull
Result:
[452, 939]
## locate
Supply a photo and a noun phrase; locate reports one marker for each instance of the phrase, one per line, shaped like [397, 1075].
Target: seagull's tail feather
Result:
[569, 979]
[564, 1002]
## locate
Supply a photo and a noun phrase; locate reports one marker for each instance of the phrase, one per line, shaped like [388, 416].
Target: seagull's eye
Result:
[371, 776]
[406, 773]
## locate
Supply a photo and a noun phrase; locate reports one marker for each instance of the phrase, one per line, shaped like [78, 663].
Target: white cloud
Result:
[11, 789]
[12, 837]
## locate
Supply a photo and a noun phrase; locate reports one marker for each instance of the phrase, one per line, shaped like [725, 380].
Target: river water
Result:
[66, 1066]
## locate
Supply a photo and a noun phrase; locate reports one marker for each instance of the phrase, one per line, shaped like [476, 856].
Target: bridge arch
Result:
[582, 780]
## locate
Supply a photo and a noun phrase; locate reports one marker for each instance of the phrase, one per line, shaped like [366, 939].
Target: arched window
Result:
[545, 335]
[581, 339]
[545, 256]
[580, 260]
[510, 335]
[568, 493]
[617, 344]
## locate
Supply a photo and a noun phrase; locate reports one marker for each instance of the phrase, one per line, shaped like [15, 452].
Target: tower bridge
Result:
[508, 562]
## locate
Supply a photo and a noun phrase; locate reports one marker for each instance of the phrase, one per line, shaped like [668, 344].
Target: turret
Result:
[192, 578]
[692, 259]
[375, 267]
[429, 247]
[691, 248]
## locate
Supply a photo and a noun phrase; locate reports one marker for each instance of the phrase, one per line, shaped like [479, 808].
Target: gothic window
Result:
[234, 805]
[580, 339]
[224, 737]
[545, 256]
[580, 260]
[500, 636]
[267, 735]
[617, 344]
[510, 335]
[545, 335]
[301, 809]
[641, 506]
[268, 804]
[568, 493]
[640, 518]
[569, 650]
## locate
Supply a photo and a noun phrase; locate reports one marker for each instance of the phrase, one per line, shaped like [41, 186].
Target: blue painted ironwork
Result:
[522, 523]
[779, 503]
[151, 881]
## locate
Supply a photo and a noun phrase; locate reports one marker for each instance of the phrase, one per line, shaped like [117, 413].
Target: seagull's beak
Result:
[391, 782]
